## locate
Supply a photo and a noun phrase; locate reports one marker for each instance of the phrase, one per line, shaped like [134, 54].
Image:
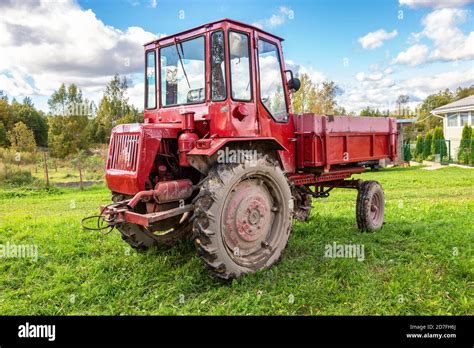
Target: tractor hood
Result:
[132, 152]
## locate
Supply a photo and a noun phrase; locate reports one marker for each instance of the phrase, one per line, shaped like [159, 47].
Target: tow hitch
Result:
[121, 212]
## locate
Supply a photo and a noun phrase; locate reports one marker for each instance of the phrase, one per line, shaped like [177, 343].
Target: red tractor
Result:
[221, 158]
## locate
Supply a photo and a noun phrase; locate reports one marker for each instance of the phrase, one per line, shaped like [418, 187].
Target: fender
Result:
[203, 156]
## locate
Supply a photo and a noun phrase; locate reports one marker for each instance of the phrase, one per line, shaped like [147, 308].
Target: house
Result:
[455, 115]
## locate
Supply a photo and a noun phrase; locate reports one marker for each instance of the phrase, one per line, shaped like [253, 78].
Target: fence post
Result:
[440, 152]
[449, 150]
[46, 175]
[80, 172]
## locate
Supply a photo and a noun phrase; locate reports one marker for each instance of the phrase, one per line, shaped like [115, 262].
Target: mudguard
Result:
[203, 156]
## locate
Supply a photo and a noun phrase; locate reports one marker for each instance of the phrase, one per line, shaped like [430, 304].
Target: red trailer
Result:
[222, 159]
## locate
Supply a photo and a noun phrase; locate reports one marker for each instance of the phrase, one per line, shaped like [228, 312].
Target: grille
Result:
[124, 152]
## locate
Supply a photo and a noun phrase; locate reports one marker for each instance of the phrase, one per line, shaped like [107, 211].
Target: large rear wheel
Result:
[243, 217]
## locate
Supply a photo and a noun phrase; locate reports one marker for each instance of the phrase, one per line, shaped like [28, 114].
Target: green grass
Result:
[61, 175]
[65, 175]
[411, 266]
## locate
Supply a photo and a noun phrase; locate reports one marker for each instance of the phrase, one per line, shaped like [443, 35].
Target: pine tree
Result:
[465, 145]
[438, 146]
[419, 147]
[427, 145]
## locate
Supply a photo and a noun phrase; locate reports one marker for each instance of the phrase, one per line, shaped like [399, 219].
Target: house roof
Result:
[459, 105]
[406, 120]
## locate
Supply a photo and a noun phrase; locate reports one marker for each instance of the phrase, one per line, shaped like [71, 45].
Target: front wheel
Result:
[370, 206]
[243, 217]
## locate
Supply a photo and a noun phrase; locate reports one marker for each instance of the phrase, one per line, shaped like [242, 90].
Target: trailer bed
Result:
[323, 141]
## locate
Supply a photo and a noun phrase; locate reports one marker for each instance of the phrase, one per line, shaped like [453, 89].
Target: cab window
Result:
[218, 83]
[272, 92]
[150, 92]
[182, 72]
[239, 48]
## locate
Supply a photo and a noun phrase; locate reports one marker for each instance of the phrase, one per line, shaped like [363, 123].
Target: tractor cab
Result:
[230, 70]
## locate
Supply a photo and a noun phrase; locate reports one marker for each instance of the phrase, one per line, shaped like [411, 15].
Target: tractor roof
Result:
[230, 21]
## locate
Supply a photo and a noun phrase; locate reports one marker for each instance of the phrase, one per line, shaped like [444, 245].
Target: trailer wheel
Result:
[243, 217]
[370, 206]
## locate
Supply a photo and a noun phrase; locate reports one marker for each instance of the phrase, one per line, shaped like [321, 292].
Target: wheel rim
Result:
[252, 220]
[376, 209]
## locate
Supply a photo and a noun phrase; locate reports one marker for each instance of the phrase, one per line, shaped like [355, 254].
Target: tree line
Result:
[433, 143]
[73, 123]
[423, 111]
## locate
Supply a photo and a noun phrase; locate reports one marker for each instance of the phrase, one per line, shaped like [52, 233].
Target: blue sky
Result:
[374, 50]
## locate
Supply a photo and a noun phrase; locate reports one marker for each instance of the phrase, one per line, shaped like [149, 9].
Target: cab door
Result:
[243, 110]
[272, 94]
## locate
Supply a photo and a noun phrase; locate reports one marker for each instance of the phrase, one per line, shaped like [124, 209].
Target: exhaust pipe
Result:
[165, 192]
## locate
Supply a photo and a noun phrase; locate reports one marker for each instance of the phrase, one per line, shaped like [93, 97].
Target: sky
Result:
[374, 50]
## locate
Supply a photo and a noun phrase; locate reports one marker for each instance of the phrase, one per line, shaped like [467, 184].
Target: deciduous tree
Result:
[22, 138]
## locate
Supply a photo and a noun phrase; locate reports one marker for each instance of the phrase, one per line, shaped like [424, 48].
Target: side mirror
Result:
[294, 83]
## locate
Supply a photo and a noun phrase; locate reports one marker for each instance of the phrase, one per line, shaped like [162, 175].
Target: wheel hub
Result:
[375, 208]
[248, 217]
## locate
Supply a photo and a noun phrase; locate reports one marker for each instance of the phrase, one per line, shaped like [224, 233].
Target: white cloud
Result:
[413, 56]
[153, 3]
[284, 13]
[44, 44]
[421, 85]
[316, 76]
[135, 94]
[15, 84]
[383, 93]
[375, 39]
[378, 75]
[449, 43]
[370, 77]
[435, 3]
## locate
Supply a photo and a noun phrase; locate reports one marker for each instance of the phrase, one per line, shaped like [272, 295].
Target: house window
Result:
[453, 120]
[464, 118]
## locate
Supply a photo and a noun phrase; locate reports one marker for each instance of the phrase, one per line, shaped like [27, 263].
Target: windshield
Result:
[182, 72]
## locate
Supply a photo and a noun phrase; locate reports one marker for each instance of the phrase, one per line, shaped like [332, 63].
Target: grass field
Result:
[421, 262]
